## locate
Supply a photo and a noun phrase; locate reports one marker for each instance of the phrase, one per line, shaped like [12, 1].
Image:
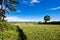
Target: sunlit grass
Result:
[41, 32]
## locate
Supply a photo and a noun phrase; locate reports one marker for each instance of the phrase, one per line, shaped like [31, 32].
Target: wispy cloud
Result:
[31, 2]
[24, 1]
[35, 1]
[54, 8]
[0, 6]
[3, 7]
[18, 11]
[15, 19]
[18, 19]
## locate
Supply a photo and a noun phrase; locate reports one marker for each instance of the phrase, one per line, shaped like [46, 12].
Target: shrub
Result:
[8, 31]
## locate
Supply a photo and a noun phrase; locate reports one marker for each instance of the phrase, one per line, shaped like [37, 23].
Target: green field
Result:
[33, 31]
[40, 32]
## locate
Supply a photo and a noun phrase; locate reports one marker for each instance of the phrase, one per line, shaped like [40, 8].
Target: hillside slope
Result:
[41, 32]
[8, 31]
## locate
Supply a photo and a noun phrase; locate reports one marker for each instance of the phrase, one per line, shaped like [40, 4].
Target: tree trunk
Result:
[45, 21]
[2, 7]
[0, 17]
[2, 4]
[4, 10]
[3, 19]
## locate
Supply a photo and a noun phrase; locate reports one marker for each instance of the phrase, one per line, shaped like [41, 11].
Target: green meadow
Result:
[29, 31]
[40, 31]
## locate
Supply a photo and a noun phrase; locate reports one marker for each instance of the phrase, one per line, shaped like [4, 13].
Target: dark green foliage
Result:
[21, 34]
[10, 4]
[46, 18]
[13, 2]
[52, 23]
[39, 23]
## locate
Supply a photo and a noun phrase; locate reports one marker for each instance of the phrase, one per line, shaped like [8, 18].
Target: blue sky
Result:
[35, 10]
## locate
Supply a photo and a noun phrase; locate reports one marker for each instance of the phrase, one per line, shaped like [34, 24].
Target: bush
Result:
[7, 26]
[8, 31]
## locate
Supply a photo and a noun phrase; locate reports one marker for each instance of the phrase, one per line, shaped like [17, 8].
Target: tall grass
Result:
[41, 32]
[32, 31]
[8, 31]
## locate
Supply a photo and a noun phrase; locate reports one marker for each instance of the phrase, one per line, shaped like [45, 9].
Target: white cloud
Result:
[18, 11]
[3, 7]
[0, 6]
[17, 19]
[35, 1]
[24, 1]
[31, 2]
[54, 8]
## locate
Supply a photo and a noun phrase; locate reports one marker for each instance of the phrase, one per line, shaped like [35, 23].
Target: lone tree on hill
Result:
[5, 6]
[46, 18]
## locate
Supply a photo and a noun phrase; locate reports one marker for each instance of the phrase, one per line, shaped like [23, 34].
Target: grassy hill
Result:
[41, 32]
[29, 31]
[8, 31]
